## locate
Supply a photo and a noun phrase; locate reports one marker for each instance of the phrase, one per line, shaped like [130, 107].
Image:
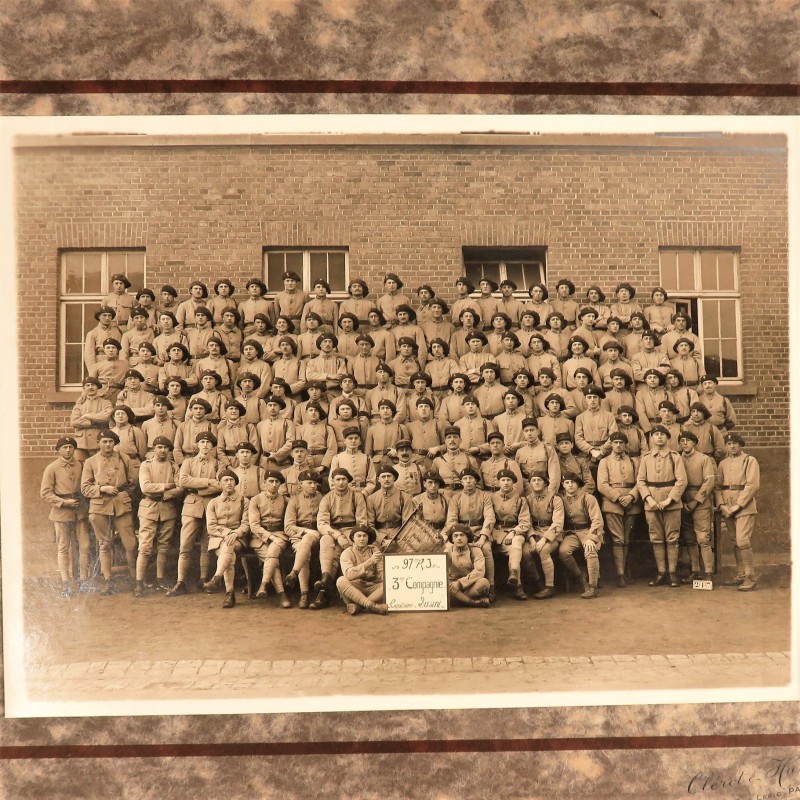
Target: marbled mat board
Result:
[742, 43]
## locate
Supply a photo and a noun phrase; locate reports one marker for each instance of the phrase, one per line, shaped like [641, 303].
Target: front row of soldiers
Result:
[230, 509]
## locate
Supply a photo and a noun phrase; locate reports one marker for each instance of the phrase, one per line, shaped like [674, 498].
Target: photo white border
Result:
[16, 702]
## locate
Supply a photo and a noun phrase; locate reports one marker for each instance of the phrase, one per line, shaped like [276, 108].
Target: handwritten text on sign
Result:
[416, 582]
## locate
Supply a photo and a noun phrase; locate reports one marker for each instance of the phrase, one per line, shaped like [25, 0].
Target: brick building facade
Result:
[601, 208]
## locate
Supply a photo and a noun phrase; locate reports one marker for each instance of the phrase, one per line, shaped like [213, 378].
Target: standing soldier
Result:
[357, 304]
[450, 464]
[198, 477]
[661, 481]
[536, 456]
[158, 512]
[119, 299]
[228, 527]
[291, 300]
[433, 502]
[188, 431]
[61, 488]
[250, 475]
[512, 523]
[93, 347]
[547, 525]
[697, 516]
[222, 299]
[90, 416]
[738, 481]
[107, 480]
[186, 313]
[338, 512]
[266, 512]
[388, 507]
[302, 525]
[622, 506]
[722, 413]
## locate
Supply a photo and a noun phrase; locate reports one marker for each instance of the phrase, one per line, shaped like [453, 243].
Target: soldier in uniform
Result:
[453, 461]
[196, 423]
[409, 475]
[661, 481]
[357, 304]
[571, 461]
[222, 299]
[738, 481]
[320, 437]
[232, 430]
[432, 502]
[361, 582]
[383, 435]
[622, 506]
[583, 529]
[357, 463]
[108, 478]
[722, 413]
[466, 569]
[228, 527]
[198, 478]
[536, 456]
[388, 507]
[266, 514]
[325, 308]
[256, 303]
[110, 371]
[249, 473]
[547, 525]
[497, 462]
[275, 435]
[158, 511]
[291, 300]
[61, 488]
[697, 515]
[89, 417]
[512, 523]
[93, 350]
[186, 313]
[339, 511]
[709, 439]
[136, 335]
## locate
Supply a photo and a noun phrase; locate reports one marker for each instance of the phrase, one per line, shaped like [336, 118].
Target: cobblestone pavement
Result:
[107, 680]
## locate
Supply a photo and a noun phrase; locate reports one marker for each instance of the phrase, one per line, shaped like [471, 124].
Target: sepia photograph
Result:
[442, 412]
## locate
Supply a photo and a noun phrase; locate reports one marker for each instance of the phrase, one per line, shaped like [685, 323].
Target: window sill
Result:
[738, 389]
[57, 398]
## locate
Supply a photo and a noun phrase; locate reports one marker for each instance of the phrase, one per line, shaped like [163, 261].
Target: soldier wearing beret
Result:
[668, 414]
[578, 359]
[232, 430]
[357, 304]
[187, 310]
[649, 356]
[136, 397]
[198, 335]
[229, 332]
[176, 365]
[722, 413]
[169, 334]
[188, 431]
[215, 361]
[249, 473]
[596, 300]
[107, 479]
[624, 307]
[61, 489]
[539, 304]
[266, 514]
[512, 523]
[340, 511]
[500, 324]
[275, 434]
[328, 366]
[119, 299]
[621, 503]
[388, 302]
[432, 502]
[364, 365]
[110, 369]
[537, 456]
[383, 341]
[222, 299]
[648, 397]
[554, 421]
[563, 303]
[738, 482]
[497, 462]
[89, 417]
[541, 357]
[406, 365]
[709, 439]
[472, 361]
[466, 569]
[437, 327]
[464, 288]
[661, 481]
[469, 320]
[627, 423]
[320, 437]
[388, 507]
[681, 327]
[321, 305]
[685, 362]
[547, 525]
[255, 303]
[557, 333]
[347, 345]
[291, 301]
[106, 329]
[659, 312]
[255, 409]
[386, 390]
[453, 461]
[168, 300]
[137, 333]
[407, 328]
[511, 307]
[198, 478]
[361, 583]
[383, 435]
[158, 511]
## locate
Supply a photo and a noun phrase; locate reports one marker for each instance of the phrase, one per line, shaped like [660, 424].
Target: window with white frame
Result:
[85, 280]
[705, 283]
[523, 265]
[311, 264]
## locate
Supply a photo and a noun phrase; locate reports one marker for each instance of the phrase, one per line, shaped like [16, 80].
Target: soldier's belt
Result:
[576, 528]
[273, 526]
[623, 485]
[342, 525]
[157, 497]
[422, 452]
[318, 451]
[70, 496]
[660, 484]
[735, 486]
[597, 442]
[231, 451]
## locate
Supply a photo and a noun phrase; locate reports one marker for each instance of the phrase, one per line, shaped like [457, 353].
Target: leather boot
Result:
[748, 584]
[291, 580]
[138, 589]
[230, 600]
[323, 583]
[519, 593]
[545, 594]
[482, 602]
[321, 600]
[590, 593]
[378, 608]
[107, 588]
[283, 600]
[262, 591]
[659, 579]
[674, 580]
[303, 600]
[513, 578]
[211, 585]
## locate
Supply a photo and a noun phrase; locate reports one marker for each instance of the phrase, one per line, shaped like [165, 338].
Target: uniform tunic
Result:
[122, 304]
[722, 413]
[424, 435]
[451, 408]
[512, 516]
[386, 392]
[61, 481]
[437, 330]
[403, 369]
[474, 509]
[550, 426]
[545, 360]
[186, 438]
[230, 436]
[384, 348]
[322, 367]
[321, 442]
[637, 441]
[616, 477]
[382, 437]
[662, 475]
[265, 516]
[292, 370]
[251, 480]
[434, 509]
[647, 401]
[592, 429]
[225, 515]
[255, 409]
[450, 464]
[363, 369]
[409, 477]
[578, 464]
[570, 409]
[327, 309]
[474, 431]
[493, 465]
[89, 417]
[490, 399]
[289, 304]
[232, 338]
[509, 423]
[180, 369]
[132, 340]
[648, 359]
[197, 340]
[185, 313]
[250, 307]
[164, 341]
[339, 513]
[360, 466]
[465, 565]
[387, 511]
[302, 515]
[540, 457]
[440, 370]
[93, 346]
[547, 515]
[365, 578]
[215, 399]
[359, 306]
[217, 304]
[262, 370]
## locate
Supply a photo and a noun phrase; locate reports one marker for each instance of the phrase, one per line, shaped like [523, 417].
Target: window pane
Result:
[117, 262]
[685, 271]
[708, 270]
[730, 364]
[319, 267]
[474, 272]
[73, 273]
[92, 272]
[492, 272]
[73, 323]
[294, 262]
[711, 319]
[73, 363]
[669, 270]
[727, 314]
[514, 273]
[135, 271]
[533, 273]
[89, 321]
[712, 362]
[274, 271]
[726, 271]
[336, 275]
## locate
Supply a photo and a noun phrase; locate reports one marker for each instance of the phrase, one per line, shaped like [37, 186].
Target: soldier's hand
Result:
[625, 500]
[589, 547]
[508, 540]
[230, 540]
[650, 503]
[508, 451]
[69, 503]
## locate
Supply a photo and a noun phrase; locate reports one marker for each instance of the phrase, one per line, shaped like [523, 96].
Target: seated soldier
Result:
[265, 514]
[388, 507]
[547, 525]
[302, 523]
[512, 522]
[432, 502]
[361, 582]
[453, 461]
[466, 569]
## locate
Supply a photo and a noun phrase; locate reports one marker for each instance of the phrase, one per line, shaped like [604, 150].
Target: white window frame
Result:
[306, 269]
[519, 294]
[82, 299]
[699, 295]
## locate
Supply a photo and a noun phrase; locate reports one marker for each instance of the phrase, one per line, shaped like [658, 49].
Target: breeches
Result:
[740, 529]
[155, 531]
[620, 526]
[664, 526]
[696, 525]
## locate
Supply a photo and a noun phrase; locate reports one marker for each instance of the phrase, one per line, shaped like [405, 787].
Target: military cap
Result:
[618, 436]
[365, 337]
[185, 355]
[461, 529]
[433, 476]
[134, 373]
[514, 393]
[321, 385]
[361, 283]
[288, 340]
[65, 440]
[600, 293]
[407, 309]
[554, 397]
[341, 471]
[702, 408]
[385, 469]
[577, 339]
[261, 317]
[228, 473]
[612, 344]
[593, 390]
[277, 474]
[662, 290]
[118, 276]
[571, 476]
[256, 345]
[563, 437]
[661, 429]
[201, 285]
[139, 311]
[208, 436]
[506, 473]
[180, 381]
[492, 366]
[732, 436]
[232, 310]
[246, 446]
[323, 336]
[388, 404]
[618, 372]
[545, 292]
[392, 276]
[93, 381]
[282, 382]
[669, 406]
[656, 372]
[348, 376]
[638, 315]
[383, 367]
[461, 375]
[495, 435]
[677, 374]
[651, 334]
[372, 534]
[704, 378]
[469, 471]
[203, 403]
[452, 430]
[437, 301]
[147, 346]
[470, 310]
[683, 339]
[352, 317]
[425, 401]
[555, 315]
[314, 315]
[586, 310]
[470, 398]
[525, 372]
[683, 315]
[249, 376]
[441, 342]
[353, 430]
[162, 440]
[529, 422]
[107, 433]
[210, 373]
[301, 443]
[291, 275]
[421, 376]
[257, 282]
[169, 314]
[629, 410]
[237, 405]
[381, 316]
[290, 326]
[128, 413]
[568, 283]
[502, 315]
[407, 340]
[626, 285]
[549, 373]
[513, 336]
[466, 282]
[322, 413]
[614, 318]
[539, 474]
[479, 335]
[403, 443]
[224, 282]
[170, 289]
[684, 434]
[112, 341]
[308, 475]
[161, 400]
[349, 403]
[539, 337]
[206, 312]
[149, 292]
[493, 287]
[584, 371]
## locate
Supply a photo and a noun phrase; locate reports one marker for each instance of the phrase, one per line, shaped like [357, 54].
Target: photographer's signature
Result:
[779, 778]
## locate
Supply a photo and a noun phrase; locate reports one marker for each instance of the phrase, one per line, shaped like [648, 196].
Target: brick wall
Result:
[602, 213]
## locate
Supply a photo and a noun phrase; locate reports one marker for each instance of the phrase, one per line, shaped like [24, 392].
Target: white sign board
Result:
[416, 582]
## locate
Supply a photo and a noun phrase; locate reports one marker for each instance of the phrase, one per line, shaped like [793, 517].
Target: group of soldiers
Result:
[294, 427]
